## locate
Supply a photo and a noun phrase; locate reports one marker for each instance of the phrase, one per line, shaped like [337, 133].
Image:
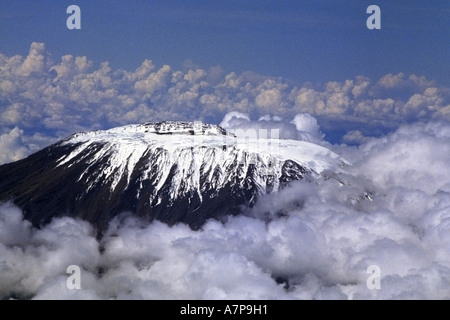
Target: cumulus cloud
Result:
[37, 61]
[415, 155]
[390, 209]
[308, 127]
[59, 97]
[354, 137]
[302, 127]
[13, 146]
[265, 127]
[234, 119]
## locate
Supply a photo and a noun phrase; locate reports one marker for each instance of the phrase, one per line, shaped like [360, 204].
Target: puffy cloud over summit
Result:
[56, 98]
[308, 126]
[302, 127]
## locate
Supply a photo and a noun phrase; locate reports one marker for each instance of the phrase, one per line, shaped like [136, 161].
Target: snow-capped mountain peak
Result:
[171, 171]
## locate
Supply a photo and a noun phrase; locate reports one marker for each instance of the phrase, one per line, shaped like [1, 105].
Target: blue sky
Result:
[302, 41]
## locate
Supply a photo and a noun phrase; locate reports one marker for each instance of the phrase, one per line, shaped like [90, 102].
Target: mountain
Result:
[170, 171]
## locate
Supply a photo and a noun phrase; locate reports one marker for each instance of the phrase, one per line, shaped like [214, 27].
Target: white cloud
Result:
[361, 86]
[234, 119]
[12, 146]
[268, 99]
[390, 80]
[274, 127]
[354, 137]
[154, 81]
[37, 60]
[413, 156]
[308, 127]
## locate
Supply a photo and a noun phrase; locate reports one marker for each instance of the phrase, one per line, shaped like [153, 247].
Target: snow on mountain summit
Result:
[172, 171]
[177, 135]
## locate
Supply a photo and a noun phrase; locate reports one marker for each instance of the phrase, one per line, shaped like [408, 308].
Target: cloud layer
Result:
[310, 241]
[47, 99]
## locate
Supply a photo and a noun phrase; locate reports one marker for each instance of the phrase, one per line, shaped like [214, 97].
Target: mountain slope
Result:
[170, 171]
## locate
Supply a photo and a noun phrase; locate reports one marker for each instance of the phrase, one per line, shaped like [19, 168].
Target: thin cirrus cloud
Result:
[53, 99]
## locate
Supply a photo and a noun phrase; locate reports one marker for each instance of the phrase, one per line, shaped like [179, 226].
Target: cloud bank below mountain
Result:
[310, 241]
